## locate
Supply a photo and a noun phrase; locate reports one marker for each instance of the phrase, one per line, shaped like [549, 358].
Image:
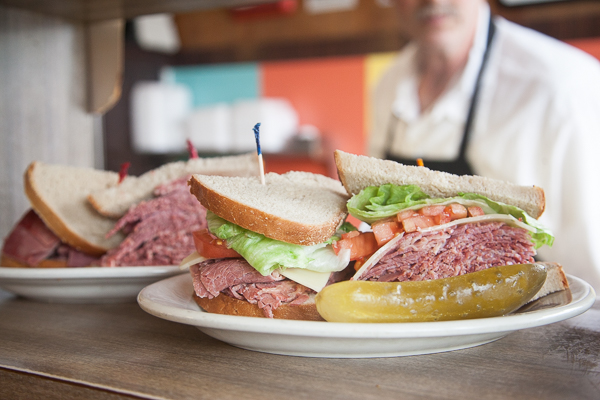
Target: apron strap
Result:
[476, 90]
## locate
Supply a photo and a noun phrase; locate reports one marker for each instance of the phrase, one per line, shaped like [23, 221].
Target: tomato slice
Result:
[456, 211]
[209, 246]
[475, 211]
[361, 245]
[402, 215]
[417, 222]
[431, 211]
[385, 230]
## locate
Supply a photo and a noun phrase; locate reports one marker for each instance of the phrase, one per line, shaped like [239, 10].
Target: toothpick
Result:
[191, 149]
[259, 152]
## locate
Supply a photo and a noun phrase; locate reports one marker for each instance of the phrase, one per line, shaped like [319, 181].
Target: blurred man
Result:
[472, 94]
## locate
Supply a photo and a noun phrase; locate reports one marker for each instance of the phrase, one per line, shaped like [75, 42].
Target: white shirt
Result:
[537, 122]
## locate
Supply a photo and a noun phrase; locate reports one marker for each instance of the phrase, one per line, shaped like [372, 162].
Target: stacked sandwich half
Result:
[269, 248]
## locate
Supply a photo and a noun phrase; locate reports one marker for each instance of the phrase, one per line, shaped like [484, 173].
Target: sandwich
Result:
[157, 214]
[83, 217]
[115, 201]
[61, 229]
[420, 224]
[268, 247]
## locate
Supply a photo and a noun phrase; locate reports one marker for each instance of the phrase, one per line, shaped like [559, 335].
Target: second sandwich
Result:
[268, 247]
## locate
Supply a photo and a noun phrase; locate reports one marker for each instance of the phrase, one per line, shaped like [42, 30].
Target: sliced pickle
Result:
[489, 293]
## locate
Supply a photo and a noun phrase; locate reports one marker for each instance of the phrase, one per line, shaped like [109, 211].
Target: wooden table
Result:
[62, 351]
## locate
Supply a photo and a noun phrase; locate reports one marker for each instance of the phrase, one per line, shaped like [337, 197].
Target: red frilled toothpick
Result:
[191, 149]
[259, 152]
[123, 171]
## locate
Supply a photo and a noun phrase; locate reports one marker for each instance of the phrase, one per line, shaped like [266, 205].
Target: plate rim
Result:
[11, 274]
[507, 323]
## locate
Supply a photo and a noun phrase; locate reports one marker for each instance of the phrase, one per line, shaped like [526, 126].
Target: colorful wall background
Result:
[330, 93]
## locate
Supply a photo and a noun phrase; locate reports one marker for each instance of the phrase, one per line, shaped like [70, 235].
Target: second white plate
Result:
[82, 285]
[171, 299]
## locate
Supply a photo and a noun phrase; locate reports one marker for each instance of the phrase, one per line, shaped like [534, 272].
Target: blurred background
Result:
[100, 82]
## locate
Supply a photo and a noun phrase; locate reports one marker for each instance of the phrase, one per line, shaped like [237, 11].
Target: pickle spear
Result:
[489, 293]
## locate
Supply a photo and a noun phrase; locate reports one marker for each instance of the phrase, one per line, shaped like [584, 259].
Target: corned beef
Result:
[30, 242]
[452, 251]
[159, 231]
[234, 277]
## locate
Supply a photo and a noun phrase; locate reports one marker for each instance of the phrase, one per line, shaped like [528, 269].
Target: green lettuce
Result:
[377, 202]
[266, 255]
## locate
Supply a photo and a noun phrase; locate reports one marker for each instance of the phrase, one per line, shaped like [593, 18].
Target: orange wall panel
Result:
[327, 93]
[589, 45]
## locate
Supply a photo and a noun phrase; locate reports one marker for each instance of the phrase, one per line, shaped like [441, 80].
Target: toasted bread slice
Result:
[556, 280]
[224, 304]
[296, 207]
[58, 195]
[10, 262]
[114, 201]
[358, 172]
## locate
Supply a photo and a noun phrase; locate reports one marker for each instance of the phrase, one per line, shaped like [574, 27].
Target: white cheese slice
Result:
[312, 279]
[190, 260]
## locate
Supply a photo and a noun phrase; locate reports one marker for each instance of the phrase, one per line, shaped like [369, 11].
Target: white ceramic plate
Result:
[171, 299]
[82, 285]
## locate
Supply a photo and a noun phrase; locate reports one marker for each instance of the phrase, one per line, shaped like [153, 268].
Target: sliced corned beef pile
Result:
[33, 244]
[452, 251]
[234, 277]
[159, 231]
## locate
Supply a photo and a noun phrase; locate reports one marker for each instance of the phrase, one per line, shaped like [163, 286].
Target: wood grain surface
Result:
[119, 351]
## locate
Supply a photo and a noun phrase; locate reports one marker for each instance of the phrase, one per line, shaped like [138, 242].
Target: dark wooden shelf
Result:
[98, 10]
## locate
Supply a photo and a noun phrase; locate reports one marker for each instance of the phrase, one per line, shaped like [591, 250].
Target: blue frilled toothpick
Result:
[259, 152]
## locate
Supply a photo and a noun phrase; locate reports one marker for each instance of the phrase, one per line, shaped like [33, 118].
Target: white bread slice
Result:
[556, 280]
[358, 172]
[223, 304]
[296, 207]
[114, 201]
[58, 194]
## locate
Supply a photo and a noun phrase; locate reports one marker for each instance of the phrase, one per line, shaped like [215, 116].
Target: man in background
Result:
[477, 94]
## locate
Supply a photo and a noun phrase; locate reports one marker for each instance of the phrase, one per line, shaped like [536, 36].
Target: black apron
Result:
[459, 166]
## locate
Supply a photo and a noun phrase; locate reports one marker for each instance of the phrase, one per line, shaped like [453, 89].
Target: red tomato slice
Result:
[475, 211]
[361, 245]
[442, 218]
[402, 215]
[431, 211]
[351, 234]
[209, 246]
[417, 222]
[456, 211]
[385, 230]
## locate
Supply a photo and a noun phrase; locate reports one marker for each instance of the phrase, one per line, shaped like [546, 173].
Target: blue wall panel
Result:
[211, 84]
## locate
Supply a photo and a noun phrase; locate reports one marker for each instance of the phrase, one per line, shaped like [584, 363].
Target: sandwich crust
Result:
[357, 172]
[556, 280]
[296, 207]
[58, 194]
[226, 305]
[114, 201]
[10, 262]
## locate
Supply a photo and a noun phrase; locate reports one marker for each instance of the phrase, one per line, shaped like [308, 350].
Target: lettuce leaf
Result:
[378, 202]
[266, 255]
